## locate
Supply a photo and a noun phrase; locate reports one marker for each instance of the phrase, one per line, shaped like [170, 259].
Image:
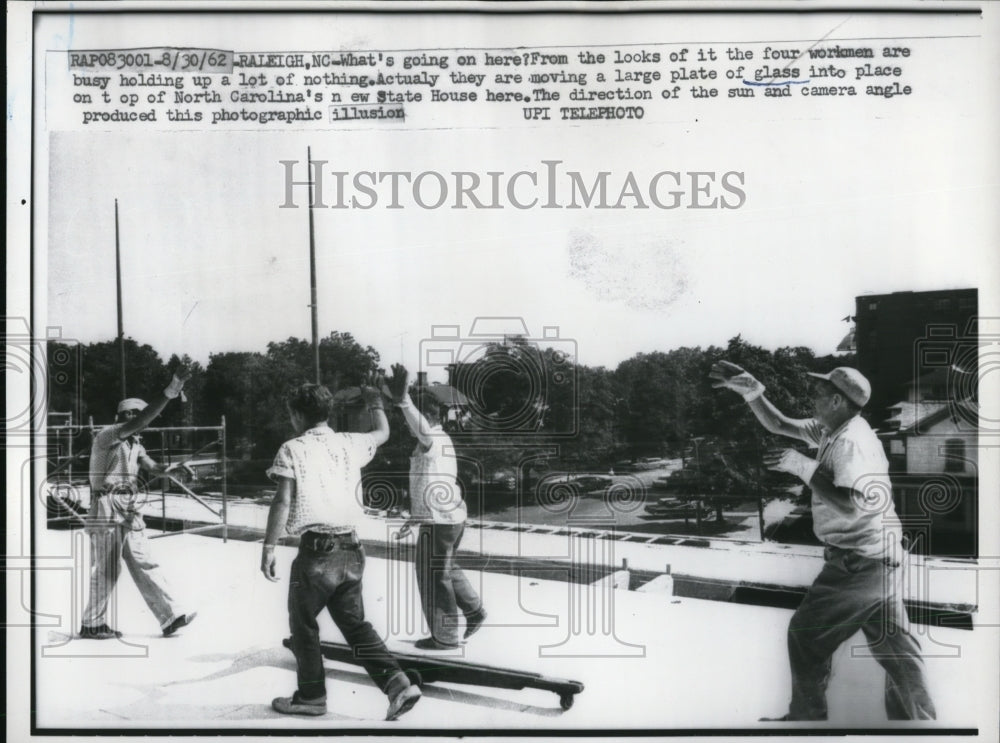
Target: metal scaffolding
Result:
[65, 434]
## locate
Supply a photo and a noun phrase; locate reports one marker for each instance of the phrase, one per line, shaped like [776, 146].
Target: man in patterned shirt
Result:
[436, 504]
[861, 583]
[318, 499]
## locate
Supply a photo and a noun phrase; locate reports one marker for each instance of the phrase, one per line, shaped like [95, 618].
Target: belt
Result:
[830, 552]
[121, 489]
[317, 541]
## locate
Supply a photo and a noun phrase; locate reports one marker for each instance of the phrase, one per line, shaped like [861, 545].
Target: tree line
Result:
[522, 397]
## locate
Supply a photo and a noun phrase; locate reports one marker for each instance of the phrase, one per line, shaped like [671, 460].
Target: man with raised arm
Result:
[319, 500]
[861, 583]
[116, 528]
[436, 504]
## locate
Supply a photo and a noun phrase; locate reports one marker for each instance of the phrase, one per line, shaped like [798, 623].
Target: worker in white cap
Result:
[116, 529]
[861, 583]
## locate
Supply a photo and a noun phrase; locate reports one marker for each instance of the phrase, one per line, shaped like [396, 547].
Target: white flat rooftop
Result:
[647, 661]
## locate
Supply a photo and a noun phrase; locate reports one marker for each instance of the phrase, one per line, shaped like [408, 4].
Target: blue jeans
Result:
[854, 592]
[333, 580]
[444, 589]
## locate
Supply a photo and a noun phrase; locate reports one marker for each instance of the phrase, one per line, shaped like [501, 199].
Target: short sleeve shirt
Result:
[855, 459]
[114, 463]
[435, 495]
[326, 467]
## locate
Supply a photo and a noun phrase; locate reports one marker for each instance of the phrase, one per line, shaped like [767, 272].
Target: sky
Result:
[210, 262]
[842, 199]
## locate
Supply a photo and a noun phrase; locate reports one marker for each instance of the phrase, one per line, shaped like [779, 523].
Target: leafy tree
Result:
[716, 470]
[287, 364]
[670, 401]
[522, 397]
[661, 394]
[250, 388]
[595, 412]
[92, 374]
[185, 411]
[231, 388]
[651, 404]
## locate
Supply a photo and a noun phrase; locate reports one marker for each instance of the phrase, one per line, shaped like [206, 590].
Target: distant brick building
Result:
[902, 336]
[920, 352]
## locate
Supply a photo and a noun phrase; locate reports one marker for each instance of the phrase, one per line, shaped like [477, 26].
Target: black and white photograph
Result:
[503, 369]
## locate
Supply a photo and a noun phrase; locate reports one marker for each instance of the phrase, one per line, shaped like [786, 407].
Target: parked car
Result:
[650, 463]
[673, 507]
[505, 480]
[589, 483]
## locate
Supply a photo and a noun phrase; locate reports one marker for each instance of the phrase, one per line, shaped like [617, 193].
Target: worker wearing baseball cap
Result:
[861, 583]
[114, 524]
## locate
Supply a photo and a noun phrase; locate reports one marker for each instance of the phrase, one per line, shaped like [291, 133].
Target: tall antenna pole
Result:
[118, 280]
[312, 270]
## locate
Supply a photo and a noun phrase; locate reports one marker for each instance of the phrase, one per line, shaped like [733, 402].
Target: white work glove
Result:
[175, 469]
[371, 391]
[405, 530]
[726, 375]
[176, 384]
[792, 462]
[397, 386]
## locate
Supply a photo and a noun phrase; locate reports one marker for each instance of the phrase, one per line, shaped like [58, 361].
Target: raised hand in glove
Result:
[726, 375]
[176, 386]
[405, 530]
[183, 471]
[398, 384]
[371, 389]
[792, 462]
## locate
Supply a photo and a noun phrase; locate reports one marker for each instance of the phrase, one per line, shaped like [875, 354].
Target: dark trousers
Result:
[854, 592]
[444, 589]
[333, 580]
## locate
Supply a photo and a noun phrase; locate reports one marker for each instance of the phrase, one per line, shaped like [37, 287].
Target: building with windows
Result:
[933, 463]
[920, 352]
[906, 336]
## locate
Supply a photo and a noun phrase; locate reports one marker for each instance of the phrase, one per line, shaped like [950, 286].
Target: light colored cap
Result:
[131, 403]
[850, 381]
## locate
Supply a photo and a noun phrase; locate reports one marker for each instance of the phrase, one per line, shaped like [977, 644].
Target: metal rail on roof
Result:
[585, 532]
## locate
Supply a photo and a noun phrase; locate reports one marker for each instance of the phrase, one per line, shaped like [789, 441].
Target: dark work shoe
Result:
[101, 632]
[429, 643]
[294, 705]
[182, 621]
[788, 718]
[473, 622]
[403, 702]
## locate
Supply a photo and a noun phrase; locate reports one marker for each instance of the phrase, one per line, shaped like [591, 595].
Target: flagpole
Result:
[118, 281]
[312, 271]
